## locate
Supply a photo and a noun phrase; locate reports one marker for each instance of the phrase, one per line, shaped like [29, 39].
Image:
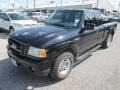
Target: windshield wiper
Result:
[59, 24]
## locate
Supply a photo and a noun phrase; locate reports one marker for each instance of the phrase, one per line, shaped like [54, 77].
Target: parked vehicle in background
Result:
[38, 16]
[12, 21]
[66, 38]
[114, 18]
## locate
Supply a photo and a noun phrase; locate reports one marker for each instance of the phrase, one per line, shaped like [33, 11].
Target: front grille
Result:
[17, 48]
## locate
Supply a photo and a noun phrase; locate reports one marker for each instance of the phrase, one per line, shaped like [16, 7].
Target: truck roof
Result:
[9, 12]
[81, 9]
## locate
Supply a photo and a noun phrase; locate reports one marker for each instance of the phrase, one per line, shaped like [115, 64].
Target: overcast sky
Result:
[4, 3]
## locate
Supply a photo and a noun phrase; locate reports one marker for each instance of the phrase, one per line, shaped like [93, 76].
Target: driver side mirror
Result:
[88, 26]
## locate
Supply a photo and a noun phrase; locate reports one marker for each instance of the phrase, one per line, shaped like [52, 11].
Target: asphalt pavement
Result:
[101, 71]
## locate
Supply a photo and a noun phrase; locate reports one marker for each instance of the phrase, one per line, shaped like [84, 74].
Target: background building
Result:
[81, 4]
[33, 5]
[105, 4]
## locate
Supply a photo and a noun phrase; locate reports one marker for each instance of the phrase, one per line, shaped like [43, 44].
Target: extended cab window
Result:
[94, 17]
[65, 18]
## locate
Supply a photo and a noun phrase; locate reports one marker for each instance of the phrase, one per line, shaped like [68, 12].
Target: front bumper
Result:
[41, 68]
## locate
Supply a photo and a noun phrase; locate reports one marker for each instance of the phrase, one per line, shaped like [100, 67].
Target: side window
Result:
[98, 18]
[89, 22]
[89, 16]
[97, 15]
[5, 17]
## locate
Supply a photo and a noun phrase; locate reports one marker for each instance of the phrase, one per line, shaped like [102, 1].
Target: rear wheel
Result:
[62, 66]
[37, 20]
[107, 42]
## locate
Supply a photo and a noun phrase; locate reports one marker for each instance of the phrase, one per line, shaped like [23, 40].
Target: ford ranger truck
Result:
[61, 42]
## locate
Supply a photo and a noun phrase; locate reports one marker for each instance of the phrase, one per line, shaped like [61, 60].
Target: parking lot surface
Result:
[101, 71]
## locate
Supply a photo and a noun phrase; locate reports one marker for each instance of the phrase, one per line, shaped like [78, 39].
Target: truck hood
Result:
[44, 36]
[25, 22]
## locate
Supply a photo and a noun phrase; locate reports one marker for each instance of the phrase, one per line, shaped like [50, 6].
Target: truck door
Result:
[88, 38]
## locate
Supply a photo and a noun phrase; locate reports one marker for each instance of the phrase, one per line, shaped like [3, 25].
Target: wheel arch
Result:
[74, 49]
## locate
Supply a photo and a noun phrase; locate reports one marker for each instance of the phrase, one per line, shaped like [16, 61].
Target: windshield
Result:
[65, 18]
[18, 16]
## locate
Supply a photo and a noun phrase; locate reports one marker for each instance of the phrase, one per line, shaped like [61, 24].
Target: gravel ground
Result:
[101, 71]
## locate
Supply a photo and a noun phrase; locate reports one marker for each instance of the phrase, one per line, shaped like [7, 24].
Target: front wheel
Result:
[107, 42]
[11, 30]
[62, 66]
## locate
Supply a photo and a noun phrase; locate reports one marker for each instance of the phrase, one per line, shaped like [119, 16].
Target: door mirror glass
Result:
[89, 26]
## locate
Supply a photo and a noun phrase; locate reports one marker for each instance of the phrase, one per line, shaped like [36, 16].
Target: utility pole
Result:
[27, 4]
[56, 4]
[97, 3]
[61, 2]
[119, 8]
[13, 5]
[82, 2]
[9, 2]
[34, 4]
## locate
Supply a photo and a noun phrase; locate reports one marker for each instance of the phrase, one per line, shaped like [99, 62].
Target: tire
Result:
[11, 29]
[62, 66]
[107, 42]
[37, 20]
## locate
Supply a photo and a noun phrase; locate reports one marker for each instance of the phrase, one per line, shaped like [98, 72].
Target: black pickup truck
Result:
[61, 42]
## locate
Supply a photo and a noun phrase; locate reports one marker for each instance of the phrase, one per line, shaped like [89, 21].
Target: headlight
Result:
[40, 53]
